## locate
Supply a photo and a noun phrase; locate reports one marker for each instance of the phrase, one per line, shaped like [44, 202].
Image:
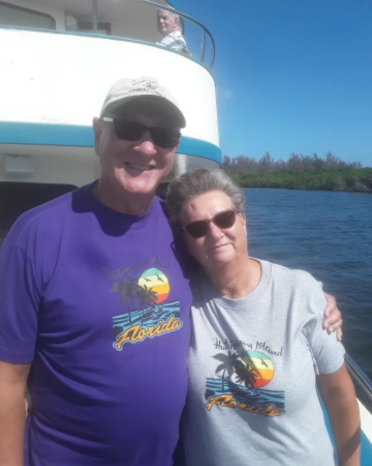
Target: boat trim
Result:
[366, 421]
[47, 134]
[129, 39]
[117, 38]
[359, 377]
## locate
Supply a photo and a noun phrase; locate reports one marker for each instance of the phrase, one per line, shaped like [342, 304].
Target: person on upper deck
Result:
[170, 26]
[257, 348]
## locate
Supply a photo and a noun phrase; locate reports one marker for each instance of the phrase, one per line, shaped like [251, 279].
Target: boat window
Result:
[103, 28]
[12, 15]
[16, 198]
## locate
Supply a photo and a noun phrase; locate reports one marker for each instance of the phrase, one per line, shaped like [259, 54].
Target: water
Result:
[328, 234]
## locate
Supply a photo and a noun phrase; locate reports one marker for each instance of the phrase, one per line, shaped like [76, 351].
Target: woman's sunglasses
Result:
[132, 131]
[222, 220]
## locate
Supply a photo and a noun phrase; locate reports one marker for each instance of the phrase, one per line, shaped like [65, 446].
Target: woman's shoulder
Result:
[298, 285]
[294, 277]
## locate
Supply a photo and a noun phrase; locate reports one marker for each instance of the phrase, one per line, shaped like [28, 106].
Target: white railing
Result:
[205, 39]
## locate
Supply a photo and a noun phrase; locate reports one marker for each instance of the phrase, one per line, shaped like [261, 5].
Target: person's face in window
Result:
[167, 22]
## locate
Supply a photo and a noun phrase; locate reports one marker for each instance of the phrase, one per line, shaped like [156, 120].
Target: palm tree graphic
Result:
[246, 374]
[227, 365]
[232, 363]
[130, 291]
[147, 296]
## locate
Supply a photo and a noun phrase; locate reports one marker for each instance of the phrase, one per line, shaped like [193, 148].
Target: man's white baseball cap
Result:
[127, 90]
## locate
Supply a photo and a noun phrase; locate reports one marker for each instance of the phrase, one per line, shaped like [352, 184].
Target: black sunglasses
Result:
[132, 131]
[222, 220]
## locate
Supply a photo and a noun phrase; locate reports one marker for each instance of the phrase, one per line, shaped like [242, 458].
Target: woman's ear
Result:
[243, 217]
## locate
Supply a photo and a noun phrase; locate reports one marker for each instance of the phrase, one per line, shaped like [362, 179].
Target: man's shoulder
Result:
[176, 34]
[48, 215]
[173, 39]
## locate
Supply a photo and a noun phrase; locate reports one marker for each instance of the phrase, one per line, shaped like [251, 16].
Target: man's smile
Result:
[138, 166]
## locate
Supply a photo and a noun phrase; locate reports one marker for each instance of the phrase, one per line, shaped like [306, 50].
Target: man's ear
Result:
[97, 130]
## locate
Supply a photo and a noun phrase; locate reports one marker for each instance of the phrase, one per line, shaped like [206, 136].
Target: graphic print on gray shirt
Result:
[252, 366]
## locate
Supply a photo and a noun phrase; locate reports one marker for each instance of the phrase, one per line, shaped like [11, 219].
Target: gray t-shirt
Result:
[252, 396]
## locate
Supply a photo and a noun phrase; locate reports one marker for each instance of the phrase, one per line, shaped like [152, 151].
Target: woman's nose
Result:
[213, 231]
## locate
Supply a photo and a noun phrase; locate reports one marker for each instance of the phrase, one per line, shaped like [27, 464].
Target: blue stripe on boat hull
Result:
[46, 134]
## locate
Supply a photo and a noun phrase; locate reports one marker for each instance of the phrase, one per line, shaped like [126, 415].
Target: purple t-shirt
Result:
[99, 303]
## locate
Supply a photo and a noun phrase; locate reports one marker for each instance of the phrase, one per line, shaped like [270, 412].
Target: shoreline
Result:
[341, 180]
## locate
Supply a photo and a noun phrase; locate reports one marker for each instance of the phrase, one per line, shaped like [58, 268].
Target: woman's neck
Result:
[235, 280]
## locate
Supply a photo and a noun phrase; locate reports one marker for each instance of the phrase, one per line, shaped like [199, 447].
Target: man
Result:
[94, 304]
[170, 26]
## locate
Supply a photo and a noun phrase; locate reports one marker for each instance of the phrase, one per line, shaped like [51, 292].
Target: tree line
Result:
[295, 162]
[299, 172]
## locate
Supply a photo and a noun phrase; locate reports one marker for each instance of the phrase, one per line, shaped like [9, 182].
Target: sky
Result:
[291, 75]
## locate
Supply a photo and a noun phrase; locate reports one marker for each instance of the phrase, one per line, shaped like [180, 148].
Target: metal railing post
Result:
[202, 52]
[95, 15]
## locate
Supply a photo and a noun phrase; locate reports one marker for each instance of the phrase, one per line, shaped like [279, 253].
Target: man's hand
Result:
[332, 316]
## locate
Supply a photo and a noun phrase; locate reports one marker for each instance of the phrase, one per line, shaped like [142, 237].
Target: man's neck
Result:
[235, 280]
[171, 32]
[130, 203]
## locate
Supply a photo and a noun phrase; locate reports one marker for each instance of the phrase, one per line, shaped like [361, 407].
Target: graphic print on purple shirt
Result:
[67, 270]
[156, 318]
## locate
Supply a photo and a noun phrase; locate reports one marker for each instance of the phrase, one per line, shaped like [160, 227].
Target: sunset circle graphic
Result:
[262, 366]
[155, 280]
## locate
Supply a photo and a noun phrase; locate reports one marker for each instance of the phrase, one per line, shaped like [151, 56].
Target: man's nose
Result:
[146, 145]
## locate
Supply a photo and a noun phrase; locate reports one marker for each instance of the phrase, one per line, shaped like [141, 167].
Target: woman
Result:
[257, 348]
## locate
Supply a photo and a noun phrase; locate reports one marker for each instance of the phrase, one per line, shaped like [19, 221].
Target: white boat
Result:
[58, 59]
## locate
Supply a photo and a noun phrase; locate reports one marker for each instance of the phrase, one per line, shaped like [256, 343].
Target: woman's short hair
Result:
[189, 185]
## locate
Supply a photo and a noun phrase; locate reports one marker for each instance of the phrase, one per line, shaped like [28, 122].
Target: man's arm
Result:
[338, 394]
[13, 380]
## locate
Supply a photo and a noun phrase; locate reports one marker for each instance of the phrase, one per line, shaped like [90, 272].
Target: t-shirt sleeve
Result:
[327, 352]
[19, 305]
